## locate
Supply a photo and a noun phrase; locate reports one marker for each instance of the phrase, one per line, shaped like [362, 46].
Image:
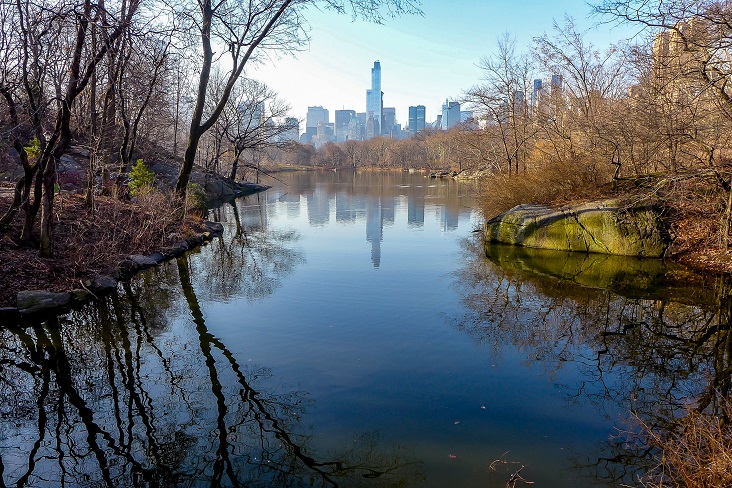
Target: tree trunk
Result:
[30, 207]
[49, 179]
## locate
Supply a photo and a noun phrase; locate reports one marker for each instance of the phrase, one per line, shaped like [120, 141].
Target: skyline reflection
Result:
[373, 199]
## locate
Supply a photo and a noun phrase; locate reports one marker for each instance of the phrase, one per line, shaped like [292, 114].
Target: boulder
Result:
[36, 301]
[175, 251]
[80, 296]
[215, 228]
[606, 226]
[194, 241]
[102, 284]
[142, 261]
[127, 269]
[157, 257]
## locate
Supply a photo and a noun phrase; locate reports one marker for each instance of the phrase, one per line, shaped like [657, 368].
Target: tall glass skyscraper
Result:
[374, 98]
[416, 118]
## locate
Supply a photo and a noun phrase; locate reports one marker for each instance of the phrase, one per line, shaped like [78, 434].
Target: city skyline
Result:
[424, 59]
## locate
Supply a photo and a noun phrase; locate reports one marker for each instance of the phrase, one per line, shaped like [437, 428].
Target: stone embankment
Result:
[606, 226]
[38, 302]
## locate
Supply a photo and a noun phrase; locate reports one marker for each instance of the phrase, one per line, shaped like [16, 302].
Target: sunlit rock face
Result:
[606, 226]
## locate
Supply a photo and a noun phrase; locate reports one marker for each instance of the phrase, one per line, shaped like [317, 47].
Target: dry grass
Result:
[697, 453]
[90, 242]
[546, 183]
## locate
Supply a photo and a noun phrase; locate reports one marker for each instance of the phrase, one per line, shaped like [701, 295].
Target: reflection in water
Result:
[250, 258]
[647, 344]
[138, 392]
[370, 196]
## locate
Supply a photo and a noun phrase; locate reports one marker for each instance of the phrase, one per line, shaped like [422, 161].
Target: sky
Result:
[424, 59]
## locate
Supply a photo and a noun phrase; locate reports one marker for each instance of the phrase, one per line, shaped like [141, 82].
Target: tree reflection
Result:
[116, 395]
[249, 259]
[653, 342]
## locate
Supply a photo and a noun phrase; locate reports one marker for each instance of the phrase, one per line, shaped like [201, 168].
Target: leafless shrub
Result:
[117, 228]
[695, 452]
[550, 183]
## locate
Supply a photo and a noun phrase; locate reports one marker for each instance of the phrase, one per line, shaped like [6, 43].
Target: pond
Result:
[349, 329]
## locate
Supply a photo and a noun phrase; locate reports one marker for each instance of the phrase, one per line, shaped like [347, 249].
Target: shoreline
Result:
[32, 304]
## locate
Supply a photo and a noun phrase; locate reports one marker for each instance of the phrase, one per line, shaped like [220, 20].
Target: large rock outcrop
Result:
[607, 226]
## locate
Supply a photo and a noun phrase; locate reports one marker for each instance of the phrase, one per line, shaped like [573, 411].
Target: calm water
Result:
[349, 330]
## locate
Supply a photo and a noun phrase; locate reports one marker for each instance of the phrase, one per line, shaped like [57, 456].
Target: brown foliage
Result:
[551, 182]
[89, 243]
[697, 453]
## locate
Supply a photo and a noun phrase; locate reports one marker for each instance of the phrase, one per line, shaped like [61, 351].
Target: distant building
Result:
[547, 98]
[316, 115]
[291, 130]
[388, 121]
[519, 102]
[375, 99]
[535, 95]
[323, 135]
[416, 119]
[450, 115]
[355, 129]
[362, 118]
[556, 85]
[342, 119]
[371, 127]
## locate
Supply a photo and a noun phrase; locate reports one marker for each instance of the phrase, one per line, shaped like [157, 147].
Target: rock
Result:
[127, 269]
[182, 244]
[142, 261]
[215, 228]
[158, 257]
[219, 188]
[194, 241]
[79, 296]
[9, 315]
[175, 250]
[606, 226]
[36, 301]
[102, 284]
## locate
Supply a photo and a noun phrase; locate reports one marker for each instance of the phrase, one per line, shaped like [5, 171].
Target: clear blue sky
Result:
[424, 59]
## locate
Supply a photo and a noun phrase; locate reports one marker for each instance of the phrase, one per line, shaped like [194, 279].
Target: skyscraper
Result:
[316, 115]
[416, 118]
[535, 97]
[374, 98]
[342, 119]
[450, 114]
[389, 120]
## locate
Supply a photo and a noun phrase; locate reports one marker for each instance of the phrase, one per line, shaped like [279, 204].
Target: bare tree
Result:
[60, 45]
[244, 31]
[254, 119]
[502, 101]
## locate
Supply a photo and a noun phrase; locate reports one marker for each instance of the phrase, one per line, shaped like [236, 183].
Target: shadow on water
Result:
[136, 391]
[651, 343]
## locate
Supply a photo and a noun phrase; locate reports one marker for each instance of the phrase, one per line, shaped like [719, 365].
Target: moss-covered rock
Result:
[607, 226]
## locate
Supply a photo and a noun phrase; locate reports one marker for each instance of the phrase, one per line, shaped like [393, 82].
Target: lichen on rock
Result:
[606, 226]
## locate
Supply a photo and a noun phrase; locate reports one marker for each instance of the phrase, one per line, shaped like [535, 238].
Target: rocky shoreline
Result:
[39, 303]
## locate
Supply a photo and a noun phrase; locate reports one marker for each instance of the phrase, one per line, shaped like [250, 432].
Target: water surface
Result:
[349, 330]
